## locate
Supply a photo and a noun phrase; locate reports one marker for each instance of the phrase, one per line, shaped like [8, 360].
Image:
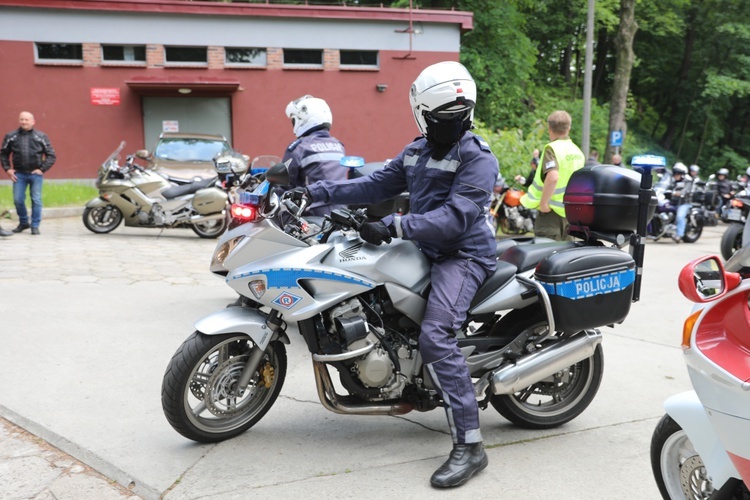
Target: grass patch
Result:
[54, 194]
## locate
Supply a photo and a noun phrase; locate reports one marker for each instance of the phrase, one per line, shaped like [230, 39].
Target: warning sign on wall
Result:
[105, 96]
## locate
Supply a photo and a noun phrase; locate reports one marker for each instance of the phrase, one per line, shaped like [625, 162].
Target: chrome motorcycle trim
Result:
[545, 300]
[251, 322]
[543, 363]
[333, 358]
[330, 400]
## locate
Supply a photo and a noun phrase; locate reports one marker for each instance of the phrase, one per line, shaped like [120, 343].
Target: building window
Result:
[245, 56]
[59, 52]
[359, 58]
[303, 58]
[124, 53]
[186, 56]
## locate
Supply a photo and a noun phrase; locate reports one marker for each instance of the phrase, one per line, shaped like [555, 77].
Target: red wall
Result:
[370, 123]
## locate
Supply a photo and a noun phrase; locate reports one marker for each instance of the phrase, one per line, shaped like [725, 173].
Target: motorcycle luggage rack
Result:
[619, 239]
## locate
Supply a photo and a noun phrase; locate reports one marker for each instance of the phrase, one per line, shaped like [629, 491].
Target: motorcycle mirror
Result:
[142, 153]
[352, 161]
[278, 175]
[705, 279]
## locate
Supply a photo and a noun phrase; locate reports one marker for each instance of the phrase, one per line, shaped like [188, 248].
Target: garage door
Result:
[198, 115]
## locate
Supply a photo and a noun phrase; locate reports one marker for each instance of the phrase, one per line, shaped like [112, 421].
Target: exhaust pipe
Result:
[331, 401]
[544, 363]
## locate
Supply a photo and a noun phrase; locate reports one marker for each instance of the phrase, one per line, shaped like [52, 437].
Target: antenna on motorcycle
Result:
[643, 164]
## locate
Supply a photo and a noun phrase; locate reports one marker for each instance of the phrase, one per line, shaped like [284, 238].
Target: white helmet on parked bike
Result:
[308, 112]
[442, 99]
[679, 168]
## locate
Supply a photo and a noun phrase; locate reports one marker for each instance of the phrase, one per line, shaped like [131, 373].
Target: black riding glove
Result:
[299, 193]
[375, 233]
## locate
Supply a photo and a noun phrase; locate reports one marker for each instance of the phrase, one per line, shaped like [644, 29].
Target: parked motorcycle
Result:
[531, 339]
[701, 448]
[735, 214]
[143, 198]
[508, 214]
[664, 222]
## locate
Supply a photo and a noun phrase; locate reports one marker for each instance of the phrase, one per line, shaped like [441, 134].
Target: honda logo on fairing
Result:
[350, 253]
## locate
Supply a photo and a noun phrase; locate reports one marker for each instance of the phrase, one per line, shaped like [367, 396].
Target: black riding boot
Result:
[465, 460]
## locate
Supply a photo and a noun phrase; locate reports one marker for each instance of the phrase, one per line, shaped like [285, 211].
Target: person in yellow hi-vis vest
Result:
[560, 158]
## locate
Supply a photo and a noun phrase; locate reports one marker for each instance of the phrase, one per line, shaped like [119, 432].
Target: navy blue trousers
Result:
[455, 281]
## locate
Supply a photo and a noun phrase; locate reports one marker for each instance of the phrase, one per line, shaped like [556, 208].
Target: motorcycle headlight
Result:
[221, 253]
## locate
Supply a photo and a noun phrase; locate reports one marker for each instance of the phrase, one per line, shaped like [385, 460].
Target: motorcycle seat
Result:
[524, 257]
[182, 190]
[503, 274]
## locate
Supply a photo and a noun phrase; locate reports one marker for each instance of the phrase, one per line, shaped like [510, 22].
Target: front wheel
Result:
[199, 394]
[677, 467]
[731, 240]
[693, 229]
[102, 219]
[555, 400]
[210, 228]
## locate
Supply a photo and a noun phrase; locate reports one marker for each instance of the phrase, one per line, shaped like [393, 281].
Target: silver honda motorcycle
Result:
[530, 340]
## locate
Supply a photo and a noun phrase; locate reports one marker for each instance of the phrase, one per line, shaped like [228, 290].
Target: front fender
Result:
[251, 322]
[687, 410]
[97, 202]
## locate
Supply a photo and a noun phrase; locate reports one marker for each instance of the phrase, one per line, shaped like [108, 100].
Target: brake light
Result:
[246, 213]
[687, 329]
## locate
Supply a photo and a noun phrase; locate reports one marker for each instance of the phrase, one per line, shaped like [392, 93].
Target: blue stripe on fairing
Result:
[591, 285]
[289, 278]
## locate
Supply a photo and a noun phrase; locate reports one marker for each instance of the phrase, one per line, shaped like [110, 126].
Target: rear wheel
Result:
[102, 219]
[555, 400]
[210, 228]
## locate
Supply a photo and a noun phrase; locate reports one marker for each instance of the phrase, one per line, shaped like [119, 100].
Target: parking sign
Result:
[616, 139]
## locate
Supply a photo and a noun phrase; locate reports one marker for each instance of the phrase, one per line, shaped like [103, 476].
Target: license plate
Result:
[734, 214]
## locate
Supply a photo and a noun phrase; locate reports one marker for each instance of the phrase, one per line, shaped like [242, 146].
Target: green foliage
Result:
[54, 194]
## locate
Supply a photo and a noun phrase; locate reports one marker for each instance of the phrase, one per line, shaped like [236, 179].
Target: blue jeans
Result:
[682, 213]
[34, 182]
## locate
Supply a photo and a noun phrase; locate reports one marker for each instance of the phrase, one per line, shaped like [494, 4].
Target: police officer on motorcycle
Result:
[449, 173]
[681, 185]
[315, 155]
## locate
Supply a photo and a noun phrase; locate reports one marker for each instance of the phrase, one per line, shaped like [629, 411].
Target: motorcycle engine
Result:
[376, 369]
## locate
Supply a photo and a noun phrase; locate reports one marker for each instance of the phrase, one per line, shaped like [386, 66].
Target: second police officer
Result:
[316, 154]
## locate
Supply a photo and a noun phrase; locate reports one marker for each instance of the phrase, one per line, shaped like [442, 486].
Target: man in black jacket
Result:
[26, 155]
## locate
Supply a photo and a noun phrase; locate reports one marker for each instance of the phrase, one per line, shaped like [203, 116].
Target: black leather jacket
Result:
[29, 149]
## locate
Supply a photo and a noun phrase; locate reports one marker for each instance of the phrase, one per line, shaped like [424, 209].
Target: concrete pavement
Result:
[91, 321]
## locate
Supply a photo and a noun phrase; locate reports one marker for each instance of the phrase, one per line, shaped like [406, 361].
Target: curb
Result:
[49, 213]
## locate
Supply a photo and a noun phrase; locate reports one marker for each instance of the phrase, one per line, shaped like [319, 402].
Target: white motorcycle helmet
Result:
[679, 168]
[442, 99]
[308, 112]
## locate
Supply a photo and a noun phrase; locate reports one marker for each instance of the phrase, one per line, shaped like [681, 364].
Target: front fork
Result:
[251, 366]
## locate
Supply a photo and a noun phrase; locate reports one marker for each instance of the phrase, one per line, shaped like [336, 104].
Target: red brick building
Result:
[95, 72]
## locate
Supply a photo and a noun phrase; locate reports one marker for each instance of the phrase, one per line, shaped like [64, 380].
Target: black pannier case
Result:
[588, 287]
[604, 198]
